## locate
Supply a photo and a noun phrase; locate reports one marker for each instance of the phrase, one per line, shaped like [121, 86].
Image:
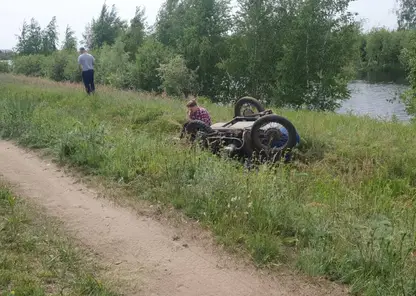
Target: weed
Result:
[35, 260]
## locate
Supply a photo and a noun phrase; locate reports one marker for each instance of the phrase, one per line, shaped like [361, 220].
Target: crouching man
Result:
[196, 112]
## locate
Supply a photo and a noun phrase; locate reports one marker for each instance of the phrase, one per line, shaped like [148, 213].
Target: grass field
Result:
[345, 211]
[35, 260]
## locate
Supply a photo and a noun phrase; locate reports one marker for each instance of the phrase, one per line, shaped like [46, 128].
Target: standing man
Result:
[87, 65]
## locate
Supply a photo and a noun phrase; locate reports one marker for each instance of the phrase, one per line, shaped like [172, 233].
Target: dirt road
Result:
[139, 249]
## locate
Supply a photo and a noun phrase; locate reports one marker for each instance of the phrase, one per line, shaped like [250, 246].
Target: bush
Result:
[4, 67]
[408, 59]
[31, 65]
[72, 71]
[148, 59]
[55, 65]
[113, 65]
[177, 79]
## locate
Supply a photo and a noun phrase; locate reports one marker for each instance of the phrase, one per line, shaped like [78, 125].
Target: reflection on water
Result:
[375, 100]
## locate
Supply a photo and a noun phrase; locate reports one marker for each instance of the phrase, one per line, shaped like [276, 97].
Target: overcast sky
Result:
[77, 13]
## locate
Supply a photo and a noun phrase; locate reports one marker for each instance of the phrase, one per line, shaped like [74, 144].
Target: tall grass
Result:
[346, 210]
[36, 260]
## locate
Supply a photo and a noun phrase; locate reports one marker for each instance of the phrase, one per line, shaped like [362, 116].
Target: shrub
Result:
[177, 79]
[31, 65]
[55, 65]
[4, 67]
[113, 64]
[148, 59]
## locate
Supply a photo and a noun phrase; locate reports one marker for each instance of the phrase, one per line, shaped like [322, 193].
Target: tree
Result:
[177, 79]
[136, 33]
[105, 29]
[318, 45]
[70, 41]
[50, 37]
[406, 14]
[6, 55]
[30, 39]
[408, 58]
[256, 46]
[88, 37]
[114, 65]
[22, 43]
[292, 53]
[169, 22]
[196, 30]
[148, 59]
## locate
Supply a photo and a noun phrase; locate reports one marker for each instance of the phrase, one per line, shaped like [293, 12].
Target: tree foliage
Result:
[70, 41]
[105, 29]
[406, 14]
[30, 39]
[6, 55]
[177, 79]
[136, 33]
[380, 53]
[34, 40]
[50, 37]
[196, 29]
[299, 54]
[292, 52]
[148, 59]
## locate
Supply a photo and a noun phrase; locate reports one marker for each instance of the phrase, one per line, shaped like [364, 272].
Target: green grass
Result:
[35, 260]
[345, 211]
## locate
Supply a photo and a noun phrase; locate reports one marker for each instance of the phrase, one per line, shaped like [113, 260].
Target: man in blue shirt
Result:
[87, 65]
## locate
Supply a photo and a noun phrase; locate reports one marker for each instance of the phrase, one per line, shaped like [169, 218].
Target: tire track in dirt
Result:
[137, 249]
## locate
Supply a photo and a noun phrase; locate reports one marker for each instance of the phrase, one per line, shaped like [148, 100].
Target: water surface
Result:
[379, 101]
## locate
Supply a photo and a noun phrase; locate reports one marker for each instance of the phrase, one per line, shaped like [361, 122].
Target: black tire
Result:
[191, 128]
[255, 133]
[247, 100]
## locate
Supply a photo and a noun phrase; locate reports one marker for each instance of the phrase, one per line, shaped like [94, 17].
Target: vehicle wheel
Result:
[245, 106]
[195, 128]
[261, 136]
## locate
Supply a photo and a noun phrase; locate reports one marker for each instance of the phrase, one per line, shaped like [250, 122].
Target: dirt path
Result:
[139, 249]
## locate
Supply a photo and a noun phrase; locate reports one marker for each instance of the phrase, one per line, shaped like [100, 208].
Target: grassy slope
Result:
[35, 260]
[348, 213]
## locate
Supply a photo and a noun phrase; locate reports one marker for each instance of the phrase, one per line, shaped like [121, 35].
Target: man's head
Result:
[192, 106]
[82, 50]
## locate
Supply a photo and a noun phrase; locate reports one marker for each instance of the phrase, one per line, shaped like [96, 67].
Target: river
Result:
[375, 100]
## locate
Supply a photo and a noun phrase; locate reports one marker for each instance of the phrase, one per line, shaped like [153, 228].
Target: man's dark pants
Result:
[88, 79]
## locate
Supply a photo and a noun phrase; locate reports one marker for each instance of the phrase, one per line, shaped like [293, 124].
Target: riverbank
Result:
[36, 258]
[344, 211]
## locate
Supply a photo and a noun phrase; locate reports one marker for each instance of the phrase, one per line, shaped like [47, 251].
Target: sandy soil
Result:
[138, 249]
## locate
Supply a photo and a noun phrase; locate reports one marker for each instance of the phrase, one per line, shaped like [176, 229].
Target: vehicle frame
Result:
[247, 134]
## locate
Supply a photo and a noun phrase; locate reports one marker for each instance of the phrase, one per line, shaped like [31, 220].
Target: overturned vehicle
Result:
[253, 133]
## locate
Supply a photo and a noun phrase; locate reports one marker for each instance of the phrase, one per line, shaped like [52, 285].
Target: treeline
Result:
[290, 53]
[382, 55]
[6, 55]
